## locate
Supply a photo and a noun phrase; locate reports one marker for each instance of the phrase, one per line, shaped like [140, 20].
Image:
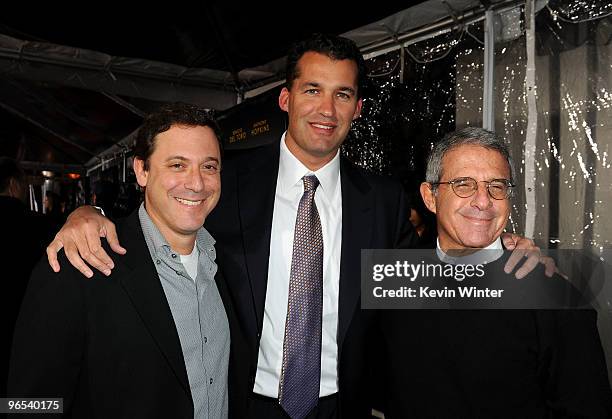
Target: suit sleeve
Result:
[49, 340]
[577, 384]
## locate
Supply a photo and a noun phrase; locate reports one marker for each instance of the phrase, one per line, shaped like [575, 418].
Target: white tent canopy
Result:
[136, 77]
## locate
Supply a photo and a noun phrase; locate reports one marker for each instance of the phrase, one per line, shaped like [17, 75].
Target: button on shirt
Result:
[199, 317]
[328, 198]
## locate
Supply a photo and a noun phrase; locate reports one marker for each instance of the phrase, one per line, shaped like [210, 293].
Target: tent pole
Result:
[488, 99]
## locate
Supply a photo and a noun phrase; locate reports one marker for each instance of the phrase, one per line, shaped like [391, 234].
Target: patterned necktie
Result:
[301, 370]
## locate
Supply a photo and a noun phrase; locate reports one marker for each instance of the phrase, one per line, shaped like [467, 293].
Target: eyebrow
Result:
[345, 89]
[181, 158]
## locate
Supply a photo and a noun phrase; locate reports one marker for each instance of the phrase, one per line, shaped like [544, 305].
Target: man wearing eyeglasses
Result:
[468, 215]
[487, 363]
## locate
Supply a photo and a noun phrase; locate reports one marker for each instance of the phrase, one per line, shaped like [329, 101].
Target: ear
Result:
[140, 172]
[283, 99]
[429, 197]
[358, 109]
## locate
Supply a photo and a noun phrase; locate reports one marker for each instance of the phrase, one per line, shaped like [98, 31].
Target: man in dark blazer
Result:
[481, 361]
[372, 217]
[152, 340]
[254, 227]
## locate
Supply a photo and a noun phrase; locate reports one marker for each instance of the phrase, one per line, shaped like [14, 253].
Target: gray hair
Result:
[472, 136]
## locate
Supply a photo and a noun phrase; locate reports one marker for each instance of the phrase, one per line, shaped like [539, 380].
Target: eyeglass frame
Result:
[507, 182]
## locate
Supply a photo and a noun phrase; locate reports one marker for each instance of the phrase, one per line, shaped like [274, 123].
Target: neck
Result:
[455, 250]
[182, 247]
[312, 162]
[181, 243]
[459, 252]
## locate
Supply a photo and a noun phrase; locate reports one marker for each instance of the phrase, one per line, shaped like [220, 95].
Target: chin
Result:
[190, 225]
[478, 244]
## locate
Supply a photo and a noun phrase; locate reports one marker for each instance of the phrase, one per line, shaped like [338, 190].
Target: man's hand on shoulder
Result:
[80, 239]
[525, 248]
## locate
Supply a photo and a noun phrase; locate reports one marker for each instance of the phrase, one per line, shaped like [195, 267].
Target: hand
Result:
[522, 247]
[80, 238]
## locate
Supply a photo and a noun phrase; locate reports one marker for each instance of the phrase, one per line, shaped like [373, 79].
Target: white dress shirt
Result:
[328, 198]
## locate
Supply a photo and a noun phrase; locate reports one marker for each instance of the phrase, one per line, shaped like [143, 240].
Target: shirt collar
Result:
[291, 171]
[159, 244]
[483, 256]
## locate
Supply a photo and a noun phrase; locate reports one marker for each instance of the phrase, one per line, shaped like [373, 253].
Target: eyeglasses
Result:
[464, 187]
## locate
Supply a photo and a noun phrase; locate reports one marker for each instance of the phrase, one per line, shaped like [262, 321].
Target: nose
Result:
[481, 198]
[327, 106]
[194, 180]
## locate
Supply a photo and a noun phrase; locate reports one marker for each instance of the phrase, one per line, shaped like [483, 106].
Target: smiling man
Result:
[468, 186]
[485, 363]
[152, 340]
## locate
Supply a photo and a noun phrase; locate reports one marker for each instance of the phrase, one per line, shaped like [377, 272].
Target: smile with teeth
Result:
[188, 202]
[329, 127]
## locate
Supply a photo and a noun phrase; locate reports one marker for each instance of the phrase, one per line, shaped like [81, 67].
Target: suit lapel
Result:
[357, 208]
[140, 281]
[256, 192]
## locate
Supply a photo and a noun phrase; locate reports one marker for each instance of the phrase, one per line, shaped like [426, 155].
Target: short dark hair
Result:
[9, 169]
[335, 47]
[163, 119]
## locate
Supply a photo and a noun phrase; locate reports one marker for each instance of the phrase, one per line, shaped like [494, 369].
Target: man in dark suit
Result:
[485, 363]
[256, 225]
[152, 340]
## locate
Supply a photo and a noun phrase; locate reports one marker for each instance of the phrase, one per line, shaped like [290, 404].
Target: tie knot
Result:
[310, 183]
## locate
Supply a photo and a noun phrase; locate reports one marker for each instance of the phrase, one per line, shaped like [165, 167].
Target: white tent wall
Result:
[572, 183]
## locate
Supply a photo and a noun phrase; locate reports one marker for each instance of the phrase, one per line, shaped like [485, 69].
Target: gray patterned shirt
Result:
[199, 317]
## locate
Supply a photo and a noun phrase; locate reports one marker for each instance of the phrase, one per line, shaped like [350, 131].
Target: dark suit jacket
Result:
[495, 363]
[374, 215]
[107, 345]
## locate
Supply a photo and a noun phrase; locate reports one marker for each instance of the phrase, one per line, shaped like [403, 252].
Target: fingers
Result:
[508, 240]
[81, 243]
[110, 233]
[72, 254]
[52, 250]
[90, 249]
[533, 259]
[80, 238]
[515, 257]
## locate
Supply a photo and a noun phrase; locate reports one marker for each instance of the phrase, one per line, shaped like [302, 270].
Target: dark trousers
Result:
[262, 407]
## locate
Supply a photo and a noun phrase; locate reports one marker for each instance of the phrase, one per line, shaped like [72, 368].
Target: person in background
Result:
[423, 221]
[23, 237]
[104, 194]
